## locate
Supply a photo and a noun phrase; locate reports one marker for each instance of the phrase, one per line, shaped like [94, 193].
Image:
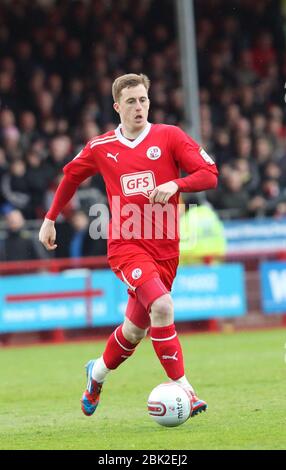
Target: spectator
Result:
[263, 152]
[11, 142]
[246, 74]
[271, 201]
[81, 244]
[38, 177]
[222, 148]
[231, 196]
[7, 92]
[28, 129]
[263, 53]
[3, 170]
[259, 122]
[18, 244]
[249, 174]
[15, 187]
[60, 153]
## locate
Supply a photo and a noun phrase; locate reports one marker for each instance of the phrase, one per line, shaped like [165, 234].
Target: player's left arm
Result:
[189, 156]
[194, 160]
[163, 192]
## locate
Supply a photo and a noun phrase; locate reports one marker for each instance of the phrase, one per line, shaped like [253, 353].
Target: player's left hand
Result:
[163, 192]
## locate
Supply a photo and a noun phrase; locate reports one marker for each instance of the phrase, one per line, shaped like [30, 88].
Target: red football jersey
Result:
[131, 170]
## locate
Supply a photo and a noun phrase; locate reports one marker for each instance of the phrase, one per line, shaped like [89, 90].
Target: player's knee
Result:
[133, 334]
[136, 336]
[162, 310]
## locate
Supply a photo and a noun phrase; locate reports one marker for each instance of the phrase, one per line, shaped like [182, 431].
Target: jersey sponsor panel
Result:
[142, 183]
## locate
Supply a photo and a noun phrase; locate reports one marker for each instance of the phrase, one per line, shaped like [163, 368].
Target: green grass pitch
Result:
[242, 376]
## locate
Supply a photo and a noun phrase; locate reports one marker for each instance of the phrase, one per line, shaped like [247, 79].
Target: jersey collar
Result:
[132, 144]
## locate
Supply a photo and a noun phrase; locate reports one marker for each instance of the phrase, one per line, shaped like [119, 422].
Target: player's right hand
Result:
[47, 234]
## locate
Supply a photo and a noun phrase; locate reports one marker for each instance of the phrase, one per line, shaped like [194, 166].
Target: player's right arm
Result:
[47, 234]
[76, 171]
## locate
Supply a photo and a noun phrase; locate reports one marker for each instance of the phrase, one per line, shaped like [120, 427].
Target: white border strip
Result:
[132, 144]
[125, 349]
[103, 142]
[107, 137]
[126, 282]
[164, 339]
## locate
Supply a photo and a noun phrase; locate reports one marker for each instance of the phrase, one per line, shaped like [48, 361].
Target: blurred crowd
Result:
[242, 71]
[58, 60]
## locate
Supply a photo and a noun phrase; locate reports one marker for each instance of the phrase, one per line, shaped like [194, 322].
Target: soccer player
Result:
[140, 164]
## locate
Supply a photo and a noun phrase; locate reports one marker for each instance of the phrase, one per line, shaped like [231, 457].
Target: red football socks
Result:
[166, 345]
[168, 349]
[117, 349]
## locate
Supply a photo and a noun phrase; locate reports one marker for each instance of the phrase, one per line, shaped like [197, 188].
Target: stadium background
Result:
[57, 62]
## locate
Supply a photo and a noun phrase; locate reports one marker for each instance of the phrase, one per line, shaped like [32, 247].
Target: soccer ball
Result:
[170, 404]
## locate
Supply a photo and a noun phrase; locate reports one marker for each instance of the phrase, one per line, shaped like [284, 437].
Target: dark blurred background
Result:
[58, 60]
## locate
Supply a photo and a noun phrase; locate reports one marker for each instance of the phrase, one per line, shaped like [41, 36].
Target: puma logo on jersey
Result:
[109, 155]
[174, 357]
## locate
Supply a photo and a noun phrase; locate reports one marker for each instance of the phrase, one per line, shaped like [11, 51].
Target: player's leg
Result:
[168, 348]
[120, 346]
[156, 299]
[163, 332]
[123, 341]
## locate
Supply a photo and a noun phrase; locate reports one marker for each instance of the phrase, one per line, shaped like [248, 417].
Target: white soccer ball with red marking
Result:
[170, 404]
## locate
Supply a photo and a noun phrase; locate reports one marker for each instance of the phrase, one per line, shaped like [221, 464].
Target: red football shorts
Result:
[147, 280]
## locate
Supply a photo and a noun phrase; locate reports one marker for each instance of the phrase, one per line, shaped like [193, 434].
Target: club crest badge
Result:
[154, 153]
[136, 273]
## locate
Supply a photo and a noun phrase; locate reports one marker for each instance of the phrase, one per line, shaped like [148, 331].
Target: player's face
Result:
[133, 106]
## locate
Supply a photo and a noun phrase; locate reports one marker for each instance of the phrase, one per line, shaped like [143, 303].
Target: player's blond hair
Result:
[127, 81]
